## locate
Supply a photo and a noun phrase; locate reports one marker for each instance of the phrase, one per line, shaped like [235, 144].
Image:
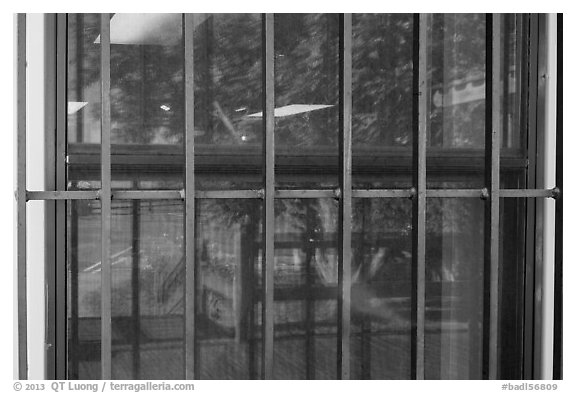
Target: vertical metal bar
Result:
[268, 221]
[60, 206]
[106, 201]
[49, 215]
[419, 124]
[493, 132]
[345, 205]
[190, 286]
[558, 300]
[21, 196]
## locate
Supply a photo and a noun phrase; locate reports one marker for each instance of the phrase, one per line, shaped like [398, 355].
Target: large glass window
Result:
[149, 103]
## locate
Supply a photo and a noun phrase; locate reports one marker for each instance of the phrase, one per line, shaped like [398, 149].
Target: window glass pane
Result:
[305, 284]
[454, 287]
[229, 260]
[84, 100]
[514, 71]
[306, 107]
[456, 69]
[228, 100]
[84, 289]
[382, 100]
[513, 263]
[381, 289]
[147, 95]
[147, 257]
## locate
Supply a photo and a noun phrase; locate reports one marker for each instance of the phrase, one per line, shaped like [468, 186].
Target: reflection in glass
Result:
[147, 93]
[514, 71]
[381, 99]
[147, 258]
[305, 283]
[84, 289]
[306, 107]
[456, 69]
[229, 279]
[454, 288]
[228, 100]
[84, 94]
[381, 289]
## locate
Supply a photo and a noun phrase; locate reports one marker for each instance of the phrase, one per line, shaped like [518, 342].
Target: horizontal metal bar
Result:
[230, 194]
[377, 193]
[530, 193]
[148, 194]
[446, 193]
[288, 194]
[61, 195]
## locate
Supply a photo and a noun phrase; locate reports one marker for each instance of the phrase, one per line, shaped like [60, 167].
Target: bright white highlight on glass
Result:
[148, 29]
[294, 109]
[74, 107]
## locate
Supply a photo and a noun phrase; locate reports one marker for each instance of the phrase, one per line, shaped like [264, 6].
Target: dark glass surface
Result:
[305, 283]
[306, 107]
[381, 289]
[229, 328]
[513, 262]
[228, 100]
[84, 289]
[454, 287]
[382, 100]
[147, 257]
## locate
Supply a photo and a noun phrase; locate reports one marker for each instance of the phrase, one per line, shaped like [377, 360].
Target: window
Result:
[296, 196]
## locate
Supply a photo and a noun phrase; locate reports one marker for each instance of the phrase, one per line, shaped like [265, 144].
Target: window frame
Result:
[56, 196]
